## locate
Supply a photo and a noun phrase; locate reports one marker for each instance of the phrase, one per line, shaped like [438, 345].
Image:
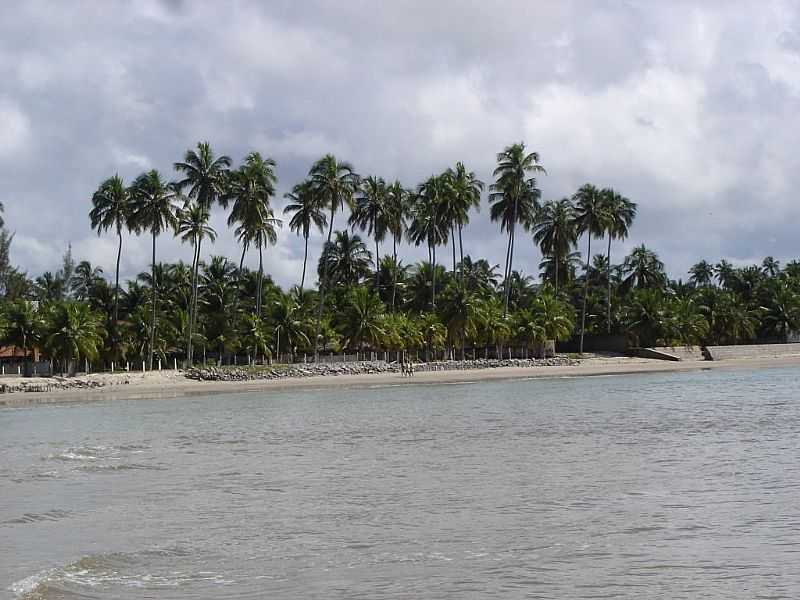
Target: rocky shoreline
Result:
[363, 368]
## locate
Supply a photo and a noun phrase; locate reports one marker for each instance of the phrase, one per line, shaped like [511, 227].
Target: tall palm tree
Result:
[152, 210]
[252, 187]
[85, 279]
[620, 214]
[204, 176]
[306, 212]
[555, 232]
[428, 224]
[111, 209]
[370, 214]
[193, 227]
[701, 274]
[590, 218]
[514, 197]
[397, 200]
[465, 192]
[335, 182]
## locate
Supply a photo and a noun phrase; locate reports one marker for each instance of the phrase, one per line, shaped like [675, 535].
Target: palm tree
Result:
[193, 227]
[555, 232]
[334, 182]
[397, 200]
[253, 185]
[465, 192]
[620, 213]
[85, 279]
[363, 318]
[24, 326]
[427, 222]
[462, 313]
[701, 274]
[643, 269]
[771, 266]
[74, 331]
[370, 214]
[152, 210]
[514, 196]
[726, 274]
[111, 208]
[288, 324]
[346, 260]
[306, 212]
[590, 218]
[204, 175]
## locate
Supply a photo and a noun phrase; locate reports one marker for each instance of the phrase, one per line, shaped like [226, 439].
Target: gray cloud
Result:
[688, 110]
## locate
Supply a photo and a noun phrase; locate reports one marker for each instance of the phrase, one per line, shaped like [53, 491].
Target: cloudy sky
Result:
[690, 109]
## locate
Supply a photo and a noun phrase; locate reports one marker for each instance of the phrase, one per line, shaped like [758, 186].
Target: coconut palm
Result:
[85, 279]
[111, 209]
[73, 331]
[204, 176]
[334, 182]
[461, 312]
[346, 260]
[592, 219]
[701, 274]
[465, 194]
[556, 316]
[643, 269]
[23, 327]
[152, 209]
[428, 225]
[193, 227]
[726, 274]
[620, 213]
[514, 197]
[288, 324]
[307, 212]
[555, 232]
[397, 204]
[363, 318]
[260, 230]
[770, 266]
[370, 214]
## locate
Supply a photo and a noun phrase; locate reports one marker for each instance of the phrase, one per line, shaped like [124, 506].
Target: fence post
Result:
[112, 366]
[128, 366]
[159, 364]
[174, 363]
[142, 366]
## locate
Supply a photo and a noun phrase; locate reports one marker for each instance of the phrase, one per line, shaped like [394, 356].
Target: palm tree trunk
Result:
[191, 305]
[377, 268]
[241, 260]
[506, 282]
[305, 260]
[557, 260]
[461, 251]
[453, 242]
[585, 291]
[260, 280]
[433, 278]
[193, 310]
[322, 290]
[510, 266]
[153, 316]
[608, 277]
[394, 271]
[116, 293]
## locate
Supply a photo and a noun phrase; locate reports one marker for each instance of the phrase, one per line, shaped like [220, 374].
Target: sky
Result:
[689, 109]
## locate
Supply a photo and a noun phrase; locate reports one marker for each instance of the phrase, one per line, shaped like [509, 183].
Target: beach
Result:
[171, 384]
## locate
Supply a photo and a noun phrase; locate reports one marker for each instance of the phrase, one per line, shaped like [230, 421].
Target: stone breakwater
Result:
[362, 368]
[50, 385]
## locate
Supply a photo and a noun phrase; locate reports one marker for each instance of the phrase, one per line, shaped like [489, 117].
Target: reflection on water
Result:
[666, 486]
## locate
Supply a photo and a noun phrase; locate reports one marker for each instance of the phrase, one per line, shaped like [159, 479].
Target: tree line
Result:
[363, 299]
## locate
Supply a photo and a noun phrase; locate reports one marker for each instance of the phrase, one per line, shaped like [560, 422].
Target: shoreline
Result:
[174, 385]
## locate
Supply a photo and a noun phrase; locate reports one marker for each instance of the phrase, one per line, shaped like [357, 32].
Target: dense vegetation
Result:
[367, 298]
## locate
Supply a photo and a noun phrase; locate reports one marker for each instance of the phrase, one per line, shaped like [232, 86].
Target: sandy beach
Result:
[171, 384]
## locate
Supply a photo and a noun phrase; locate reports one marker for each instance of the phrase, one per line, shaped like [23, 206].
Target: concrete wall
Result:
[753, 351]
[594, 343]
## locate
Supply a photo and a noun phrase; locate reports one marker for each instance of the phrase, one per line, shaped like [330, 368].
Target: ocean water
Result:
[683, 485]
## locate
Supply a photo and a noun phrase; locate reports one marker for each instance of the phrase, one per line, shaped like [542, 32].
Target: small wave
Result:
[50, 515]
[99, 575]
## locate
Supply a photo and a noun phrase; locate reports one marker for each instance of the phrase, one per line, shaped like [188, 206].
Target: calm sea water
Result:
[655, 486]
